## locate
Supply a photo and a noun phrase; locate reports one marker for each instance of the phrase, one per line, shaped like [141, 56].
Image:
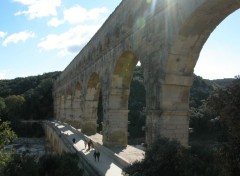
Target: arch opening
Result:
[89, 125]
[180, 63]
[117, 123]
[76, 108]
[137, 108]
[217, 64]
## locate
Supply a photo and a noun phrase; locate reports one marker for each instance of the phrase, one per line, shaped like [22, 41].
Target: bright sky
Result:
[40, 36]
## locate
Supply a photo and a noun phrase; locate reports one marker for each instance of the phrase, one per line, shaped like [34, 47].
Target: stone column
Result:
[174, 101]
[115, 124]
[55, 106]
[116, 128]
[76, 113]
[170, 124]
[62, 109]
[89, 122]
[68, 108]
[174, 121]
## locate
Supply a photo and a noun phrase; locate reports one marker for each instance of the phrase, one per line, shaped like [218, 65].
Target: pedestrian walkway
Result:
[111, 161]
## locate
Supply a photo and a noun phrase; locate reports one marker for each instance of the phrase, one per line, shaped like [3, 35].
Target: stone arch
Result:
[193, 34]
[89, 125]
[168, 39]
[179, 66]
[116, 122]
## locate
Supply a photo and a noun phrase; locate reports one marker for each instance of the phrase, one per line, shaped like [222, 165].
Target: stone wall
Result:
[166, 36]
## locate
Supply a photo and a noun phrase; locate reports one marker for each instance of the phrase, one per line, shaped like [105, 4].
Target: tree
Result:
[169, 158]
[226, 104]
[55, 165]
[6, 136]
[37, 94]
[14, 105]
[2, 107]
[18, 165]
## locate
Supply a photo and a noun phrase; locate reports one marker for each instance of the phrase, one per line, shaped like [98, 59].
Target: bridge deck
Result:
[112, 160]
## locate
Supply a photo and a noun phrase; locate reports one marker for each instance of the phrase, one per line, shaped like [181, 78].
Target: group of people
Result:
[88, 143]
[96, 155]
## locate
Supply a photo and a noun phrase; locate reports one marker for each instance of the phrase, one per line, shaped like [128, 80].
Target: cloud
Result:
[55, 22]
[2, 34]
[18, 37]
[78, 14]
[69, 42]
[39, 8]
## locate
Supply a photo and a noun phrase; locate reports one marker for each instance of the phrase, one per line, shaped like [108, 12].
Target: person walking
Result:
[85, 143]
[95, 155]
[98, 155]
[90, 144]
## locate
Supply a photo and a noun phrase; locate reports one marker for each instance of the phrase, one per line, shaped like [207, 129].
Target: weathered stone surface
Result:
[166, 36]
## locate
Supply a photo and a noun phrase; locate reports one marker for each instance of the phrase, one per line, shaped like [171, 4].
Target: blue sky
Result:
[40, 36]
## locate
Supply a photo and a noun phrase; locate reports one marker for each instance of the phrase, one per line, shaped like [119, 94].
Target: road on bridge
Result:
[111, 161]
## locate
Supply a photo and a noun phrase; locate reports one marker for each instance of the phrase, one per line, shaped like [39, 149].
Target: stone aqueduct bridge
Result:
[166, 36]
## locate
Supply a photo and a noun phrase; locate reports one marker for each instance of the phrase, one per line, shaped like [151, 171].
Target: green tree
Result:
[169, 158]
[225, 103]
[37, 92]
[51, 165]
[2, 108]
[39, 101]
[18, 165]
[14, 105]
[136, 104]
[6, 136]
[55, 165]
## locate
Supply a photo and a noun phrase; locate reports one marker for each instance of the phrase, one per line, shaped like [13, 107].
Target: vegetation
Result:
[29, 130]
[63, 165]
[6, 136]
[49, 165]
[136, 104]
[225, 104]
[170, 158]
[199, 115]
[216, 119]
[27, 98]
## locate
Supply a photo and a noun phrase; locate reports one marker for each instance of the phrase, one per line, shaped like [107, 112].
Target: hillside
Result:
[223, 82]
[27, 98]
[19, 86]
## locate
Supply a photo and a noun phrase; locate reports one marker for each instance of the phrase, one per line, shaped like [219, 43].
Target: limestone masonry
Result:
[166, 36]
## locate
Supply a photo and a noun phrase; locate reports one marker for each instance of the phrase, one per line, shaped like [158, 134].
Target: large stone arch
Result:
[89, 125]
[168, 36]
[186, 41]
[116, 122]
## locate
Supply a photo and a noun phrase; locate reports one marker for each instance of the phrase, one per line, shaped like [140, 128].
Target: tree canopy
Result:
[27, 98]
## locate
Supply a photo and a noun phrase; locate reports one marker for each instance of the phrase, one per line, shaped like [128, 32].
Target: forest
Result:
[214, 120]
